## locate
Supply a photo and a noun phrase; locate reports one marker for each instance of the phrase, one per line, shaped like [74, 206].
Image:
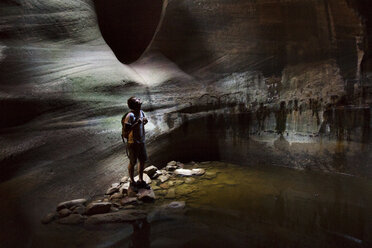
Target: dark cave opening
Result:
[128, 26]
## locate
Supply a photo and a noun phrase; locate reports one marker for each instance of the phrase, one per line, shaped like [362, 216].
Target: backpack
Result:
[124, 131]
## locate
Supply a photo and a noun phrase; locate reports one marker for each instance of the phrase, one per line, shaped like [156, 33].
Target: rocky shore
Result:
[123, 203]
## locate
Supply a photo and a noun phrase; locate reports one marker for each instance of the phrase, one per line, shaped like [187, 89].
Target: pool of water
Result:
[240, 206]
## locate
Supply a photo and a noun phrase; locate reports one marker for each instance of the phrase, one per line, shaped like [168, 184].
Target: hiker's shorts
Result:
[137, 151]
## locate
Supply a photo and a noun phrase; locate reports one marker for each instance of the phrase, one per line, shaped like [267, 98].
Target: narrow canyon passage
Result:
[276, 93]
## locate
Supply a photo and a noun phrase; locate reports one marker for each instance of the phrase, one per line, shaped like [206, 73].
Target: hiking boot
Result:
[142, 185]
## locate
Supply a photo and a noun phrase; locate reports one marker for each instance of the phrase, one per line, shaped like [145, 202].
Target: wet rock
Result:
[128, 200]
[210, 174]
[176, 205]
[124, 188]
[64, 212]
[164, 186]
[183, 172]
[171, 167]
[132, 192]
[170, 183]
[79, 210]
[98, 208]
[112, 190]
[116, 196]
[178, 182]
[198, 172]
[180, 165]
[190, 180]
[124, 179]
[117, 217]
[114, 209]
[150, 171]
[171, 194]
[154, 187]
[69, 204]
[49, 218]
[72, 219]
[172, 163]
[129, 207]
[146, 195]
[145, 177]
[164, 178]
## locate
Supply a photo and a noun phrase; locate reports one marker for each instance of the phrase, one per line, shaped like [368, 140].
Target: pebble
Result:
[69, 204]
[72, 219]
[98, 208]
[64, 212]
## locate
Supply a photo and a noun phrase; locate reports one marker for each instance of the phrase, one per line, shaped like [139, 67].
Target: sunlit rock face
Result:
[204, 70]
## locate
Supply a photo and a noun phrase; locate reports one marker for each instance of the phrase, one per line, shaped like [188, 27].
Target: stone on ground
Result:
[49, 218]
[98, 208]
[124, 179]
[150, 171]
[124, 188]
[69, 204]
[198, 172]
[176, 205]
[146, 178]
[116, 196]
[64, 212]
[146, 195]
[183, 172]
[112, 190]
[132, 192]
[163, 178]
[79, 210]
[117, 217]
[128, 200]
[72, 219]
[172, 163]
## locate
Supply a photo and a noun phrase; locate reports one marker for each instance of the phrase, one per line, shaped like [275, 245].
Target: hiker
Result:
[133, 129]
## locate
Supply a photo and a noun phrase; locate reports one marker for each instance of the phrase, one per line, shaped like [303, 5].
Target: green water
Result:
[245, 206]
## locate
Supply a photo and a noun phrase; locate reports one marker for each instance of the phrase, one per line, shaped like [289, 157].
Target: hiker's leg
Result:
[142, 157]
[131, 171]
[141, 167]
[132, 161]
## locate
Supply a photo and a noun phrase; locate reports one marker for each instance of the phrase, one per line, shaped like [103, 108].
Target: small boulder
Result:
[117, 217]
[176, 205]
[183, 172]
[49, 218]
[171, 167]
[124, 179]
[132, 192]
[146, 195]
[98, 208]
[129, 207]
[128, 200]
[150, 171]
[64, 212]
[124, 188]
[145, 177]
[69, 204]
[79, 210]
[116, 196]
[112, 190]
[198, 172]
[72, 219]
[172, 163]
[163, 178]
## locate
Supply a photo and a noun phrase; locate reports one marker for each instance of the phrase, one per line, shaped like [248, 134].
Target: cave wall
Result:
[202, 78]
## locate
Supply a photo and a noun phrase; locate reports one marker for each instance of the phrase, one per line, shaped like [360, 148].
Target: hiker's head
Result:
[134, 103]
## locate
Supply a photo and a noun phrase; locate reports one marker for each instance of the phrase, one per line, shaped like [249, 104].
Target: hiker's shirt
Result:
[137, 135]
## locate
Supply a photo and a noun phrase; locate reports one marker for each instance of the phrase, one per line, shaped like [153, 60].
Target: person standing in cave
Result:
[133, 129]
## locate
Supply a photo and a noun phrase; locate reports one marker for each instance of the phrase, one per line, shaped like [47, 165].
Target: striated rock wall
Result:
[212, 79]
